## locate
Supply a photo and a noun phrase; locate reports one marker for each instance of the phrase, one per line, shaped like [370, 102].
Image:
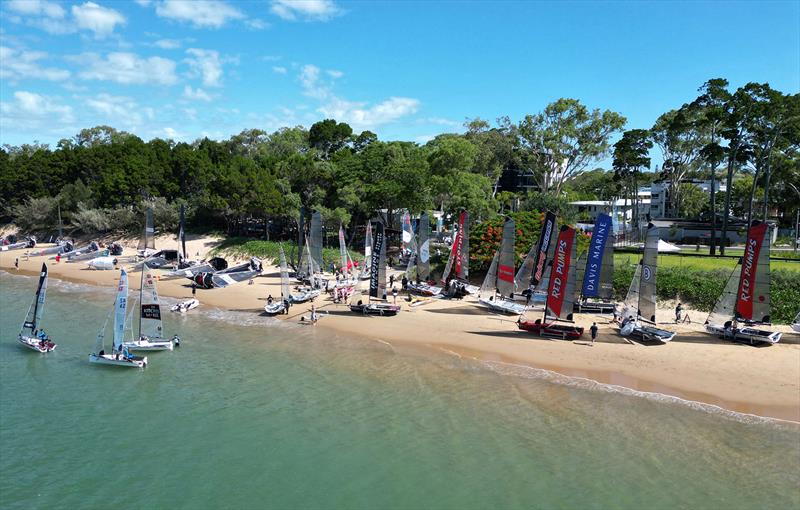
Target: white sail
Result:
[647, 285]
[523, 278]
[284, 276]
[120, 308]
[724, 307]
[631, 304]
[490, 281]
[150, 309]
[342, 249]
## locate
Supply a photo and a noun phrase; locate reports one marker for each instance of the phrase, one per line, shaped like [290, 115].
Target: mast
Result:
[120, 307]
[505, 263]
[752, 296]
[150, 309]
[561, 291]
[37, 308]
[181, 232]
[300, 238]
[597, 261]
[423, 253]
[316, 239]
[377, 275]
[60, 224]
[647, 283]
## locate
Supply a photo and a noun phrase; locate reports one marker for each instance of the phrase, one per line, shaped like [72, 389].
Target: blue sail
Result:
[594, 262]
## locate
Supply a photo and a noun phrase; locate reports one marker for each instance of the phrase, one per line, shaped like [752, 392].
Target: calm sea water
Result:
[253, 414]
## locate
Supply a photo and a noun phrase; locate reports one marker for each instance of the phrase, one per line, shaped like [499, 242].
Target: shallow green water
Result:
[277, 416]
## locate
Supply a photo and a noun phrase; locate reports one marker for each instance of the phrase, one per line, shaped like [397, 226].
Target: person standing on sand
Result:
[394, 295]
[593, 330]
[58, 258]
[391, 280]
[16, 263]
[678, 310]
[194, 289]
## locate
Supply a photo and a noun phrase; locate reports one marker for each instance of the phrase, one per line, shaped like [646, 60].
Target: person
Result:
[16, 263]
[286, 306]
[404, 282]
[101, 353]
[176, 340]
[678, 310]
[251, 282]
[593, 330]
[313, 314]
[58, 258]
[391, 280]
[269, 299]
[194, 289]
[394, 295]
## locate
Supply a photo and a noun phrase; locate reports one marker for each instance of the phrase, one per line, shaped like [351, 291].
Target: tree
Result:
[565, 139]
[692, 201]
[630, 157]
[328, 136]
[597, 184]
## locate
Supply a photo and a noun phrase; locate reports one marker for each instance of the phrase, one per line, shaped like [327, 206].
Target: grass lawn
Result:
[699, 262]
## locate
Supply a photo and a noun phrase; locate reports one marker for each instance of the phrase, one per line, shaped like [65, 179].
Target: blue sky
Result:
[406, 70]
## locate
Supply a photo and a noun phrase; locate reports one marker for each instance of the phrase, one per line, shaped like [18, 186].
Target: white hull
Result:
[185, 306]
[110, 359]
[425, 289]
[796, 326]
[147, 344]
[744, 335]
[34, 344]
[503, 306]
[303, 297]
[274, 308]
[646, 333]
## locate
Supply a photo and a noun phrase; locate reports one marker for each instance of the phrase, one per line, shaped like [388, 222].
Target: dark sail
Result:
[35, 316]
[597, 257]
[424, 254]
[647, 283]
[376, 287]
[507, 260]
[543, 247]
[316, 240]
[462, 270]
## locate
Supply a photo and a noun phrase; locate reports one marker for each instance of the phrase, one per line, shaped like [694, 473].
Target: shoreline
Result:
[695, 367]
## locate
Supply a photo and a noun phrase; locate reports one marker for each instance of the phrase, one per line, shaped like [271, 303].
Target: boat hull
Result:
[423, 289]
[111, 360]
[594, 307]
[646, 333]
[377, 309]
[503, 306]
[185, 306]
[147, 344]
[305, 296]
[35, 345]
[561, 331]
[796, 326]
[744, 335]
[274, 309]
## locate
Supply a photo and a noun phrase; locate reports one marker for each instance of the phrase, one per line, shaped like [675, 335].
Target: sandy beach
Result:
[694, 366]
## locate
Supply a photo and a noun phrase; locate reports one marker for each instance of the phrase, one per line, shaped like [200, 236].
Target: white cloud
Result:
[172, 133]
[33, 112]
[333, 73]
[126, 68]
[200, 13]
[207, 64]
[18, 65]
[36, 8]
[439, 121]
[119, 111]
[312, 85]
[98, 19]
[168, 44]
[279, 69]
[144, 3]
[197, 94]
[423, 139]
[256, 24]
[305, 9]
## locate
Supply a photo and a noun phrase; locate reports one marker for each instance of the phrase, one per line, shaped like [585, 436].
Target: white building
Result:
[661, 205]
[621, 209]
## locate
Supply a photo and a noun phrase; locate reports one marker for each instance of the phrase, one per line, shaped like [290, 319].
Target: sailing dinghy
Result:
[639, 312]
[458, 261]
[31, 335]
[745, 299]
[500, 278]
[560, 293]
[185, 306]
[597, 284]
[279, 306]
[377, 282]
[147, 243]
[118, 356]
[422, 260]
[151, 332]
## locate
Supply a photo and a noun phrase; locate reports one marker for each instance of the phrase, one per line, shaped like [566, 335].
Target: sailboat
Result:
[597, 284]
[458, 261]
[377, 282]
[639, 311]
[147, 243]
[560, 293]
[279, 306]
[500, 278]
[746, 298]
[540, 277]
[118, 356]
[29, 242]
[31, 335]
[150, 326]
[422, 260]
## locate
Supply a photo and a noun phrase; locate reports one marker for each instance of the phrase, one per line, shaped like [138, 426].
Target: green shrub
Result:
[269, 251]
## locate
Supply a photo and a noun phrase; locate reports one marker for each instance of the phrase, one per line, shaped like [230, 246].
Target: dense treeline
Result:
[102, 178]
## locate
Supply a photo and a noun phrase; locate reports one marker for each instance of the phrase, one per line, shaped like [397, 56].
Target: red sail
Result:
[559, 275]
[747, 280]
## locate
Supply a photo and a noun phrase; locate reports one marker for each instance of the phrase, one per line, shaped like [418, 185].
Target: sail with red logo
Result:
[752, 298]
[560, 292]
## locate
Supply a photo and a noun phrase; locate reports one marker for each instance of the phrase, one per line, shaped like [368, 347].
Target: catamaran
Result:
[638, 317]
[151, 332]
[560, 293]
[597, 287]
[746, 297]
[279, 306]
[422, 262]
[63, 248]
[458, 261]
[31, 335]
[29, 242]
[186, 305]
[499, 281]
[377, 282]
[147, 243]
[118, 356]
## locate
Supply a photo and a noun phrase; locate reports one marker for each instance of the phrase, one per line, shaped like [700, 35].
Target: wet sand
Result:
[695, 366]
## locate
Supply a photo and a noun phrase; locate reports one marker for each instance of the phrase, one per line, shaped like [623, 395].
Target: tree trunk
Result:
[753, 196]
[728, 182]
